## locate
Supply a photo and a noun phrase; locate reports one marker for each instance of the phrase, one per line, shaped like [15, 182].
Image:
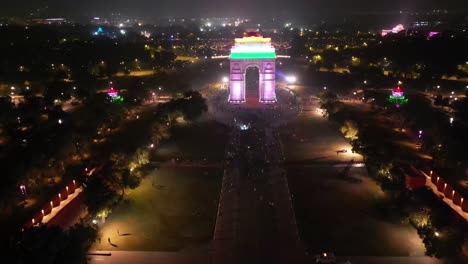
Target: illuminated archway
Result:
[252, 50]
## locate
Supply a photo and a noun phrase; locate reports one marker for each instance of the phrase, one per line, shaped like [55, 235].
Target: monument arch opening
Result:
[253, 50]
[252, 82]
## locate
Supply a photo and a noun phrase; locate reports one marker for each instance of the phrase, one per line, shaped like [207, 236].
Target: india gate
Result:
[252, 50]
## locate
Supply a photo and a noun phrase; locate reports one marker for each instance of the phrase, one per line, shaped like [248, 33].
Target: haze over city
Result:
[212, 8]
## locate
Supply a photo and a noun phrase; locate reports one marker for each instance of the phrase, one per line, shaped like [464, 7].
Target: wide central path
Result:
[255, 221]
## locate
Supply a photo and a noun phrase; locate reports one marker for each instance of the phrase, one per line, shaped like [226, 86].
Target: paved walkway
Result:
[145, 257]
[256, 221]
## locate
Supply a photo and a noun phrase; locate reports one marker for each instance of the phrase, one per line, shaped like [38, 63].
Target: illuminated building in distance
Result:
[397, 29]
[252, 50]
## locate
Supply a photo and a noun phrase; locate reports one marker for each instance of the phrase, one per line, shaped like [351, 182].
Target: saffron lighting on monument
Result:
[252, 50]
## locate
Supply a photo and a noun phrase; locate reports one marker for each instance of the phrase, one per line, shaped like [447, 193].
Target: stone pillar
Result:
[267, 81]
[236, 83]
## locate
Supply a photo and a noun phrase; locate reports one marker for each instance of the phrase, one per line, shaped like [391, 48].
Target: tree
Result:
[97, 194]
[126, 179]
[329, 102]
[53, 245]
[141, 157]
[80, 238]
[40, 243]
[350, 130]
[194, 105]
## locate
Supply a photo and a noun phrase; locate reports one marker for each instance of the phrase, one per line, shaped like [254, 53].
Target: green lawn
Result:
[177, 212]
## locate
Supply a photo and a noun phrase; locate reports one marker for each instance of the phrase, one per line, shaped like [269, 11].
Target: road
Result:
[256, 222]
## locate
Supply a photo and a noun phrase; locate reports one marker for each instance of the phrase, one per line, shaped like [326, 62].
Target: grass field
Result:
[173, 209]
[203, 140]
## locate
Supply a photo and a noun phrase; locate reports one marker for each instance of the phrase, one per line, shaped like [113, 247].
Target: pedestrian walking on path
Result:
[108, 240]
[118, 232]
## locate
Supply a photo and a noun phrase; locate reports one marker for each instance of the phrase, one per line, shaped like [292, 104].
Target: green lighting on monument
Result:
[253, 55]
[397, 97]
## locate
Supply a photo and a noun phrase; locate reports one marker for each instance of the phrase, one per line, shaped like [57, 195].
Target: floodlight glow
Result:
[244, 127]
[225, 79]
[291, 79]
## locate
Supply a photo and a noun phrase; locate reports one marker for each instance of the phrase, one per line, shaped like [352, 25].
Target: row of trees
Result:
[52, 245]
[408, 59]
[126, 171]
[442, 235]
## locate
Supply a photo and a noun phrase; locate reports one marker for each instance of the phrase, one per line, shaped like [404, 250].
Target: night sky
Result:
[219, 8]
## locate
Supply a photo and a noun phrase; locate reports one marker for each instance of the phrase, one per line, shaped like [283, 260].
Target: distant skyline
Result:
[220, 8]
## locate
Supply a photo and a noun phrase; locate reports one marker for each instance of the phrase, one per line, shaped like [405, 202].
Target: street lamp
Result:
[420, 133]
[324, 87]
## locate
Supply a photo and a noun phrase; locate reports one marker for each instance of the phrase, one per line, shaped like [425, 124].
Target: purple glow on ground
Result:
[433, 33]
